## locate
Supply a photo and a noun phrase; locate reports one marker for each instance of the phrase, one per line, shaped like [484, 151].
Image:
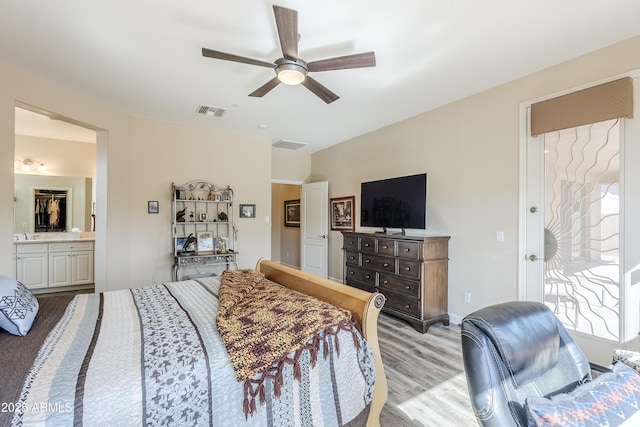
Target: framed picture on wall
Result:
[292, 213]
[342, 213]
[247, 211]
[152, 206]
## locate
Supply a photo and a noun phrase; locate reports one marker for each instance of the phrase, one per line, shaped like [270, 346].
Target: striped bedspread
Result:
[153, 356]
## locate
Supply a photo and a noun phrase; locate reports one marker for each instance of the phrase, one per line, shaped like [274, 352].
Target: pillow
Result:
[18, 307]
[611, 399]
[629, 358]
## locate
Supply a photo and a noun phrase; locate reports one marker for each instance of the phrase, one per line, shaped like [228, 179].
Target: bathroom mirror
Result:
[52, 203]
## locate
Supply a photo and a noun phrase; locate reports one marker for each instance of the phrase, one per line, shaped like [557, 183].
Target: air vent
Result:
[211, 111]
[289, 145]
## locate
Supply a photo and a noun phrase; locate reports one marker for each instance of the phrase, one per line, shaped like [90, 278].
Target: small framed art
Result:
[342, 213]
[292, 213]
[205, 242]
[152, 206]
[247, 211]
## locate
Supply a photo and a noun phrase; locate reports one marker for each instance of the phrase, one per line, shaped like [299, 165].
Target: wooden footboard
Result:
[364, 305]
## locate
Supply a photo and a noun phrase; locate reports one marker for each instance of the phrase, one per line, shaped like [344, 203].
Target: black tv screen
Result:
[395, 202]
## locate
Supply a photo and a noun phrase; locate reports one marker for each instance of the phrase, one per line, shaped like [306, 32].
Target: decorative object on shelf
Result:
[190, 245]
[223, 216]
[342, 213]
[221, 245]
[203, 217]
[292, 213]
[247, 211]
[152, 206]
[205, 243]
[180, 241]
[180, 215]
[181, 194]
[191, 218]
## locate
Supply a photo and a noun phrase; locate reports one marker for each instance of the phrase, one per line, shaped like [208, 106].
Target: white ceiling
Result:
[144, 57]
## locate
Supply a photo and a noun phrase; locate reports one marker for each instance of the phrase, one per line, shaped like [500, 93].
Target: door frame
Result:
[630, 208]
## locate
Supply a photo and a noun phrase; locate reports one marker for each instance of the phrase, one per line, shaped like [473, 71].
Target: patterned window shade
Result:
[607, 101]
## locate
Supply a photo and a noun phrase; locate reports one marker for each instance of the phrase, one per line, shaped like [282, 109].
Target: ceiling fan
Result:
[291, 69]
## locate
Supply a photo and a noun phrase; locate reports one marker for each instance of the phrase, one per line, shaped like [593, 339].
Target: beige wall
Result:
[142, 158]
[469, 150]
[290, 166]
[62, 158]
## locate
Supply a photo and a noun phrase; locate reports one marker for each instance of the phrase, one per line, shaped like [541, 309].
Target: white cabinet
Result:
[32, 265]
[70, 263]
[51, 265]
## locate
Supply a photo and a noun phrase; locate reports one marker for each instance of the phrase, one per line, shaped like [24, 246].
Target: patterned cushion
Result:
[629, 358]
[612, 399]
[18, 307]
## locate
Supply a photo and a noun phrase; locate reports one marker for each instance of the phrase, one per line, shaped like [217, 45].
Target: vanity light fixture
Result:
[28, 164]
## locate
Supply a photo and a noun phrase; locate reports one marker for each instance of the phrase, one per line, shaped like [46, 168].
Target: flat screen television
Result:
[394, 203]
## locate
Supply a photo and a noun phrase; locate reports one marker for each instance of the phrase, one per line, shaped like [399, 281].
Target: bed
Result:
[186, 353]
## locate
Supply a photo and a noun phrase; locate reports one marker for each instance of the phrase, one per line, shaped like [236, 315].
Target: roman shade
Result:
[595, 104]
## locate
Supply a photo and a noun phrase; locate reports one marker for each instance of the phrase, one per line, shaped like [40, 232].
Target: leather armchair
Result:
[514, 350]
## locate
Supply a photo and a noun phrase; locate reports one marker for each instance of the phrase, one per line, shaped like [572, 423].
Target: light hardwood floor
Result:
[427, 385]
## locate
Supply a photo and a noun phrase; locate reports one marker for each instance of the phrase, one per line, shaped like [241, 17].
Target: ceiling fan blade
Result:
[287, 23]
[358, 60]
[321, 91]
[235, 58]
[265, 88]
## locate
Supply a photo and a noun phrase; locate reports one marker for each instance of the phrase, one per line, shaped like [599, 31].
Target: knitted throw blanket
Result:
[262, 323]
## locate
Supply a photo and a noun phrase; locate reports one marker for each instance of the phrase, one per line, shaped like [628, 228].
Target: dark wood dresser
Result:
[411, 272]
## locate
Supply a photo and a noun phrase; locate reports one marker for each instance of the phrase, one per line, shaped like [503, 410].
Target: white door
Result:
[573, 259]
[314, 226]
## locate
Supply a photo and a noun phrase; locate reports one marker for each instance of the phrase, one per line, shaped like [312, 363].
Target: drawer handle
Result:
[352, 273]
[386, 282]
[407, 306]
[367, 261]
[385, 247]
[406, 249]
[352, 257]
[407, 269]
[386, 264]
[366, 245]
[407, 287]
[367, 277]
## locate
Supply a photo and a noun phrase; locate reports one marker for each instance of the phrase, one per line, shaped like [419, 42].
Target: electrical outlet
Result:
[467, 297]
[500, 236]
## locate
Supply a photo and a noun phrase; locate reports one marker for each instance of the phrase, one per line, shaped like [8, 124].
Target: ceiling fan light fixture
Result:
[291, 77]
[291, 72]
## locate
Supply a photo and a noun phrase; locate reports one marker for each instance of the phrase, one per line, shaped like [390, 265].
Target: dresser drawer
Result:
[404, 305]
[364, 276]
[368, 244]
[351, 243]
[378, 263]
[360, 285]
[409, 250]
[385, 247]
[409, 268]
[397, 285]
[352, 258]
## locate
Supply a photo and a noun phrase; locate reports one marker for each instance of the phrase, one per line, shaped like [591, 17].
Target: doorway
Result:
[578, 254]
[285, 237]
[38, 132]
